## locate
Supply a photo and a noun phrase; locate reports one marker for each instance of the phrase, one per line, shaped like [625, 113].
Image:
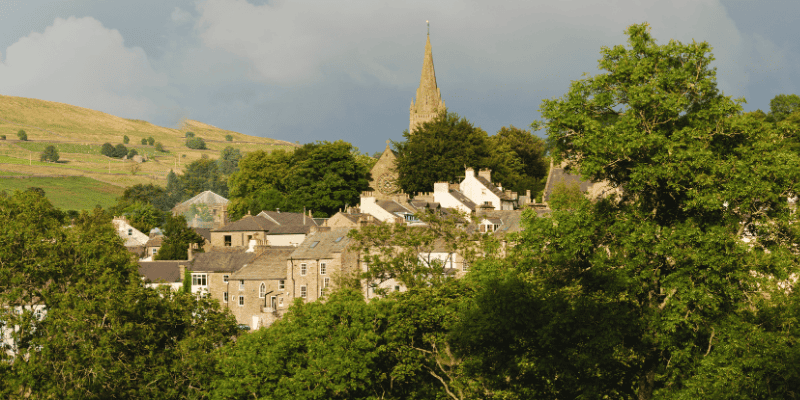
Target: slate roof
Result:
[204, 232]
[507, 220]
[155, 241]
[247, 223]
[493, 188]
[559, 175]
[207, 197]
[326, 244]
[287, 218]
[394, 207]
[463, 199]
[161, 271]
[230, 259]
[271, 264]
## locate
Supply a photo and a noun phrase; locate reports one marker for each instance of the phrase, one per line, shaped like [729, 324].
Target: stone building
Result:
[429, 98]
[206, 210]
[257, 292]
[211, 272]
[133, 239]
[316, 265]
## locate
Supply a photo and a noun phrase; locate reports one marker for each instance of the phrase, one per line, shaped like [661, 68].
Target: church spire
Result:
[429, 98]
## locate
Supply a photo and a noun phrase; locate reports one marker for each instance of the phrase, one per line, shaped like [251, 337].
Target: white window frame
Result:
[241, 301]
[323, 267]
[280, 302]
[303, 292]
[225, 278]
[224, 297]
[200, 280]
[130, 232]
[282, 285]
[303, 269]
[155, 250]
[241, 284]
[262, 290]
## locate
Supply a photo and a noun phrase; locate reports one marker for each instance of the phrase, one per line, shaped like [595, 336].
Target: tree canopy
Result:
[50, 153]
[321, 176]
[648, 293]
[178, 239]
[439, 150]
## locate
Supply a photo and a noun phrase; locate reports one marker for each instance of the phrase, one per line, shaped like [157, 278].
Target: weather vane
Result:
[429, 26]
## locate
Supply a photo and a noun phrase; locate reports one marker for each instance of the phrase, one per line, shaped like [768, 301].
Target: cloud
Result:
[78, 61]
[180, 16]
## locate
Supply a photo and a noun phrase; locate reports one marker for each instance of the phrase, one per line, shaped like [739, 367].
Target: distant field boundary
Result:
[35, 176]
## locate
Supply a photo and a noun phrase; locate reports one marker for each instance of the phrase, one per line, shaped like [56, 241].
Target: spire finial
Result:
[429, 26]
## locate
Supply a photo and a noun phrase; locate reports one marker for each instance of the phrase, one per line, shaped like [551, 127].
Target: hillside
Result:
[79, 133]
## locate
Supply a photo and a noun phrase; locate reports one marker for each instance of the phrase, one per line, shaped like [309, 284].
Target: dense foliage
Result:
[196, 143]
[50, 153]
[178, 238]
[81, 322]
[439, 150]
[321, 176]
[22, 135]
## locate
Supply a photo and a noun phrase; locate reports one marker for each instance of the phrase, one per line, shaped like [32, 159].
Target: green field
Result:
[71, 193]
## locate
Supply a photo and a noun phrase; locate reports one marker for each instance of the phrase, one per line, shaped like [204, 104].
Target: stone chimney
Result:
[485, 173]
[441, 187]
[191, 252]
[182, 272]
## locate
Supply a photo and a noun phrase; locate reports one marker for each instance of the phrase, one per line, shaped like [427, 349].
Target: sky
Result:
[306, 71]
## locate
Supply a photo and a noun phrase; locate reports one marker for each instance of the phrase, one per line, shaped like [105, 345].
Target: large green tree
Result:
[81, 321]
[643, 295]
[321, 176]
[518, 160]
[178, 239]
[783, 105]
[438, 151]
[201, 175]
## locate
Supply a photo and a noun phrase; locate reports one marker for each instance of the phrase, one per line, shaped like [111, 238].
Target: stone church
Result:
[424, 108]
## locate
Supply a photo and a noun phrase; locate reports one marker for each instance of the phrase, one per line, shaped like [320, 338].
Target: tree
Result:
[22, 135]
[196, 143]
[631, 296]
[228, 161]
[189, 135]
[107, 150]
[229, 138]
[85, 324]
[438, 152]
[2, 137]
[49, 154]
[783, 105]
[321, 176]
[125, 139]
[132, 152]
[150, 140]
[178, 239]
[120, 151]
[566, 196]
[159, 147]
[144, 141]
[142, 215]
[201, 175]
[518, 160]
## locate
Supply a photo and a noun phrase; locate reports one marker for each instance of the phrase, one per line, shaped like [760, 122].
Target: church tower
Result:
[429, 99]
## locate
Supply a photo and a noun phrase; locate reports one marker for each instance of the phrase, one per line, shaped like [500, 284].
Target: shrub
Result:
[189, 134]
[132, 152]
[229, 138]
[144, 141]
[159, 147]
[22, 135]
[2, 137]
[107, 150]
[150, 140]
[196, 143]
[120, 151]
[49, 154]
[126, 139]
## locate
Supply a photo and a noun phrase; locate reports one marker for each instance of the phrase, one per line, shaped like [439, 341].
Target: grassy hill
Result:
[68, 193]
[79, 133]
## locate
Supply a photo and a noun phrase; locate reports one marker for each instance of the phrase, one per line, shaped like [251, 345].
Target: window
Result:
[339, 239]
[397, 288]
[464, 266]
[262, 290]
[322, 268]
[227, 240]
[130, 232]
[241, 300]
[241, 285]
[282, 285]
[313, 244]
[303, 269]
[272, 303]
[325, 283]
[224, 278]
[303, 291]
[249, 238]
[199, 280]
[155, 251]
[225, 297]
[280, 302]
